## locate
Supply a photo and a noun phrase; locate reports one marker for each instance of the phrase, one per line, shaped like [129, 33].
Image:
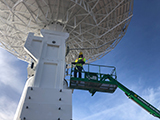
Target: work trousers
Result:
[78, 69]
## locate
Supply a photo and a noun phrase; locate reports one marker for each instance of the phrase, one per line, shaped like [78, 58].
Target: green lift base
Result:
[92, 86]
[108, 83]
[92, 81]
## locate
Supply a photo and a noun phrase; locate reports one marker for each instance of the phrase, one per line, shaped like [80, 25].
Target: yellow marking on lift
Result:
[135, 95]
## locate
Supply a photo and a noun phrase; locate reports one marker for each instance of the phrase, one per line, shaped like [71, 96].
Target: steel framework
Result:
[95, 26]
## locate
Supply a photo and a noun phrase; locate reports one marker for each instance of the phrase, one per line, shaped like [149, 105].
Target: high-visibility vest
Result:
[79, 64]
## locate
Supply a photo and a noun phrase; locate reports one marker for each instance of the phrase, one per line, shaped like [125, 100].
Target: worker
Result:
[79, 65]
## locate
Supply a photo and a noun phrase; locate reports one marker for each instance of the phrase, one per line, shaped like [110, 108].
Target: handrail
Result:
[99, 71]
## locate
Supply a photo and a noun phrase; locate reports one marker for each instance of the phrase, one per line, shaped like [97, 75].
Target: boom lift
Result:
[93, 82]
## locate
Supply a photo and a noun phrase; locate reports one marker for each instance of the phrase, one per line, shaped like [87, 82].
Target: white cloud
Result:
[11, 84]
[10, 74]
[119, 108]
[7, 108]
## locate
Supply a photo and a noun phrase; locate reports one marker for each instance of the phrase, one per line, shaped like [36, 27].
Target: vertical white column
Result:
[43, 97]
[49, 52]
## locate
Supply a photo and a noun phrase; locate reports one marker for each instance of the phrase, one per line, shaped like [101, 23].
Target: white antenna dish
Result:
[95, 26]
[92, 26]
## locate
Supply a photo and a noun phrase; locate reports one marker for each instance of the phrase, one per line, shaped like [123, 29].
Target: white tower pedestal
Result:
[44, 97]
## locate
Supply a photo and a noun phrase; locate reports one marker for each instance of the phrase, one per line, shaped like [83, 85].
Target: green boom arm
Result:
[140, 101]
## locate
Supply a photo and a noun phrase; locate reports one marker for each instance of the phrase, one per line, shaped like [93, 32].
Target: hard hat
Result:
[80, 53]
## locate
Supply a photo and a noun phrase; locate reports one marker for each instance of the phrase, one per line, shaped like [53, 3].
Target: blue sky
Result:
[136, 57]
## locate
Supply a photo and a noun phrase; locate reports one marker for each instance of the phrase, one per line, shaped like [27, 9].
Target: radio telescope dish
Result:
[95, 26]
